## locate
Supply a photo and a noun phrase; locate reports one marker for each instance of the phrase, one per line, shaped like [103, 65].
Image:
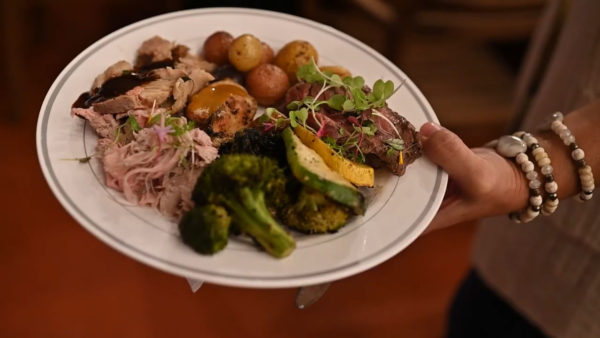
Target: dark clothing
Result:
[478, 312]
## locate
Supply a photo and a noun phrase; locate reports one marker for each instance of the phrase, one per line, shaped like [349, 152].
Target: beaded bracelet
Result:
[586, 177]
[511, 146]
[543, 161]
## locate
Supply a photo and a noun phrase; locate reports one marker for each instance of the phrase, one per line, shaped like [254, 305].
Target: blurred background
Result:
[59, 281]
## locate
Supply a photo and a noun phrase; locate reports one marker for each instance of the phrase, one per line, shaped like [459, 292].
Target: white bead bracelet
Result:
[513, 147]
[543, 161]
[584, 171]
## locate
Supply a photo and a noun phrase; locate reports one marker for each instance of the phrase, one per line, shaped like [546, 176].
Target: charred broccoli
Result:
[251, 188]
[256, 142]
[205, 228]
[313, 213]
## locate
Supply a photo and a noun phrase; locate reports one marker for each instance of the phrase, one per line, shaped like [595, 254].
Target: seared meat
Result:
[301, 90]
[157, 90]
[154, 50]
[168, 73]
[200, 78]
[408, 134]
[114, 70]
[105, 125]
[181, 91]
[197, 69]
[200, 116]
[376, 148]
[235, 114]
[165, 76]
[121, 103]
[179, 51]
[191, 62]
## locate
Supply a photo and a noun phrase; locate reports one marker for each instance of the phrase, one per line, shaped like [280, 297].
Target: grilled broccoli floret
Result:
[256, 142]
[313, 213]
[205, 228]
[251, 188]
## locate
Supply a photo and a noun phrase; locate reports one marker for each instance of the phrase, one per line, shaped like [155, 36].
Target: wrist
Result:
[519, 194]
[564, 169]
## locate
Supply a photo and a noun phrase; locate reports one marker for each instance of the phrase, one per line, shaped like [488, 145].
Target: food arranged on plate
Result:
[181, 132]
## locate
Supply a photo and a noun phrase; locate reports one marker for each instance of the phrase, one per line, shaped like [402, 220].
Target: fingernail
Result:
[428, 129]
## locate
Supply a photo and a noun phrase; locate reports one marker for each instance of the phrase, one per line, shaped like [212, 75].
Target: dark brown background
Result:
[57, 280]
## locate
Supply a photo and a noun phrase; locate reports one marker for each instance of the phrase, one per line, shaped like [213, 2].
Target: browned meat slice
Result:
[197, 69]
[114, 70]
[235, 114]
[165, 75]
[168, 73]
[408, 134]
[121, 103]
[377, 148]
[200, 78]
[190, 62]
[105, 125]
[154, 50]
[181, 91]
[301, 90]
[179, 51]
[157, 90]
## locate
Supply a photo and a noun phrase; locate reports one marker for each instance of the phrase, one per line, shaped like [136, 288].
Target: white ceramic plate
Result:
[399, 211]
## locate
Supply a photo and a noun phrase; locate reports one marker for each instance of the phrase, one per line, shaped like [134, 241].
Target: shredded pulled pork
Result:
[147, 149]
[157, 168]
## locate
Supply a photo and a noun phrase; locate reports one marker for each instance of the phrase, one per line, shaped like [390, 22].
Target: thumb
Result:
[447, 150]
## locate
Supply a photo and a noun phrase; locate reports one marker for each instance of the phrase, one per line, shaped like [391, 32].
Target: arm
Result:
[483, 183]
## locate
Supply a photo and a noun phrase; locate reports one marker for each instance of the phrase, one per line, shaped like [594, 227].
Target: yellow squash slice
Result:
[358, 174]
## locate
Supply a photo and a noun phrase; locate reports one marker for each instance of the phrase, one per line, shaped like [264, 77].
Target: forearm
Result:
[583, 123]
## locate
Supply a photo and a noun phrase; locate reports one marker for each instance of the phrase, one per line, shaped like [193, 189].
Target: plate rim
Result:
[336, 273]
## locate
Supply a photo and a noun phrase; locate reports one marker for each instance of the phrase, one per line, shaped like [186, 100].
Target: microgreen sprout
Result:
[353, 102]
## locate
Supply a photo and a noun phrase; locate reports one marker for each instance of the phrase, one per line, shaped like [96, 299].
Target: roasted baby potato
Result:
[267, 83]
[216, 47]
[293, 55]
[245, 52]
[268, 54]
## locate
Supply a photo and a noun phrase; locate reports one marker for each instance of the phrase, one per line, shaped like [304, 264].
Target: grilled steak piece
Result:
[378, 149]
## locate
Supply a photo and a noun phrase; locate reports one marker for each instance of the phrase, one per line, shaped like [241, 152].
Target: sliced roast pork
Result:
[154, 51]
[117, 69]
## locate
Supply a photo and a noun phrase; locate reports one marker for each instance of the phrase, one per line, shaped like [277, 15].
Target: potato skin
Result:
[268, 54]
[216, 47]
[267, 83]
[293, 55]
[245, 52]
